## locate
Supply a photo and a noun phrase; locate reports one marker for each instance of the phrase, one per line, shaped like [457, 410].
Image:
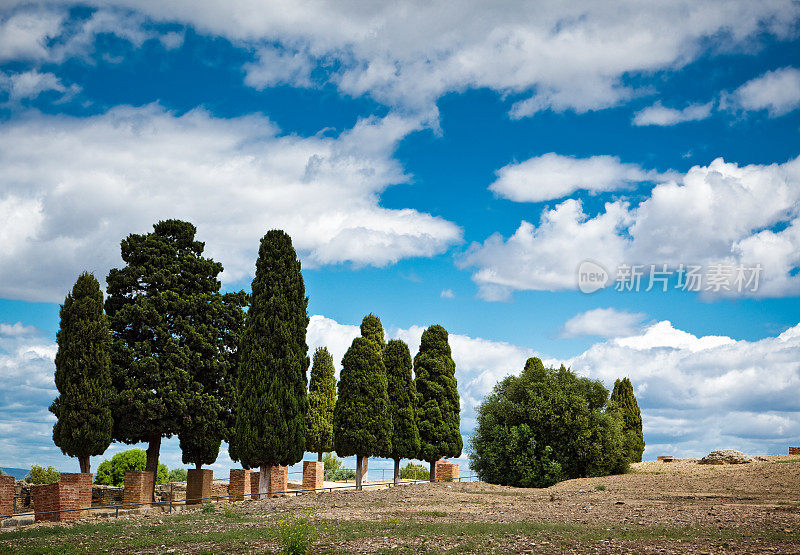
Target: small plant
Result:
[42, 475]
[228, 512]
[177, 475]
[600, 487]
[208, 509]
[297, 534]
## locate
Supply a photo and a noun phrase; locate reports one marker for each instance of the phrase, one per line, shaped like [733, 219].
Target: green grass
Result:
[788, 460]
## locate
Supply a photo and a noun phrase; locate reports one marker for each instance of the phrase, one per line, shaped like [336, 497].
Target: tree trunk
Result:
[319, 456]
[364, 470]
[263, 481]
[359, 469]
[153, 451]
[396, 471]
[84, 462]
[433, 470]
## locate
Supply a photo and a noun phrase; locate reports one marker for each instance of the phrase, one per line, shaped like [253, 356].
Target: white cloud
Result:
[448, 294]
[776, 91]
[657, 114]
[704, 393]
[553, 176]
[716, 214]
[30, 84]
[603, 322]
[72, 188]
[407, 54]
[24, 35]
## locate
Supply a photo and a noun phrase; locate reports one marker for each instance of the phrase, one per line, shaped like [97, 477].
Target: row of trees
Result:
[169, 354]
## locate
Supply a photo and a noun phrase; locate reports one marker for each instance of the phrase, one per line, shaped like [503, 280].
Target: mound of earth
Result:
[726, 456]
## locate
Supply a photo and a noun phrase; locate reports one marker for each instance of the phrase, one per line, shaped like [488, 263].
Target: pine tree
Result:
[273, 361]
[438, 410]
[321, 402]
[163, 349]
[402, 403]
[361, 422]
[83, 375]
[372, 329]
[625, 401]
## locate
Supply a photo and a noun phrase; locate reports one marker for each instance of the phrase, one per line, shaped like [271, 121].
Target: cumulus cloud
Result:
[30, 84]
[657, 114]
[553, 176]
[603, 322]
[563, 57]
[777, 92]
[721, 214]
[72, 188]
[704, 393]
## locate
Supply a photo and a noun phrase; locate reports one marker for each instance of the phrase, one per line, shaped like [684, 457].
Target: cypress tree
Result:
[156, 307]
[321, 401]
[438, 410]
[372, 329]
[625, 401]
[402, 403]
[83, 374]
[273, 361]
[361, 423]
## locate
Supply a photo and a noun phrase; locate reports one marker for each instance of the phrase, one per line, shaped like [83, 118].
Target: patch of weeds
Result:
[296, 534]
[228, 512]
[208, 509]
[600, 487]
[788, 461]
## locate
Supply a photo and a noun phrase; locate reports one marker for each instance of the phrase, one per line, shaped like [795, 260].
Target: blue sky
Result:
[433, 165]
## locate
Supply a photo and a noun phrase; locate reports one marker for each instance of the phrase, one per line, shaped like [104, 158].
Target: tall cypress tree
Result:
[402, 403]
[361, 423]
[372, 329]
[83, 374]
[321, 402]
[273, 361]
[159, 341]
[438, 410]
[625, 401]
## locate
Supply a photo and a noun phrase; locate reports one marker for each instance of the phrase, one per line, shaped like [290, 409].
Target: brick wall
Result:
[138, 487]
[84, 482]
[445, 470]
[198, 485]
[239, 484]
[313, 474]
[254, 478]
[60, 496]
[7, 489]
[279, 476]
[794, 450]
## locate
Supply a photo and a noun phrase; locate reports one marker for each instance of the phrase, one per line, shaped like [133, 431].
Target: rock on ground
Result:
[726, 456]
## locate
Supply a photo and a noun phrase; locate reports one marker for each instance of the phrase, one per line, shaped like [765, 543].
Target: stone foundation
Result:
[7, 490]
[138, 487]
[239, 484]
[313, 474]
[60, 496]
[198, 486]
[445, 471]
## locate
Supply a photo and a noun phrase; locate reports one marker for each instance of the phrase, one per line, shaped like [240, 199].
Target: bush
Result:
[297, 534]
[42, 475]
[177, 475]
[334, 471]
[112, 472]
[545, 426]
[415, 472]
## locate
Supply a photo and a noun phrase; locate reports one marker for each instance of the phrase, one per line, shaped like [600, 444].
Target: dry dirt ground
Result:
[656, 508]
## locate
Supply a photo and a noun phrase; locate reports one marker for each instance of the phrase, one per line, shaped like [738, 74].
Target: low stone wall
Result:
[106, 495]
[60, 496]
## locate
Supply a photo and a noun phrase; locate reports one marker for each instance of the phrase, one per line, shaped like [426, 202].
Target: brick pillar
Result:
[439, 470]
[794, 450]
[278, 478]
[138, 487]
[453, 471]
[7, 484]
[239, 484]
[84, 482]
[198, 485]
[57, 497]
[254, 478]
[313, 474]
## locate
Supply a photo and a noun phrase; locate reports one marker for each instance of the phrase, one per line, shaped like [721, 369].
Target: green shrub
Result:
[334, 471]
[547, 425]
[208, 509]
[177, 475]
[112, 472]
[297, 534]
[413, 471]
[42, 475]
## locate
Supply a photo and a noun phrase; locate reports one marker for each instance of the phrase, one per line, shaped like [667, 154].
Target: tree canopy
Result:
[83, 374]
[546, 425]
[321, 402]
[623, 398]
[273, 360]
[438, 406]
[372, 329]
[402, 400]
